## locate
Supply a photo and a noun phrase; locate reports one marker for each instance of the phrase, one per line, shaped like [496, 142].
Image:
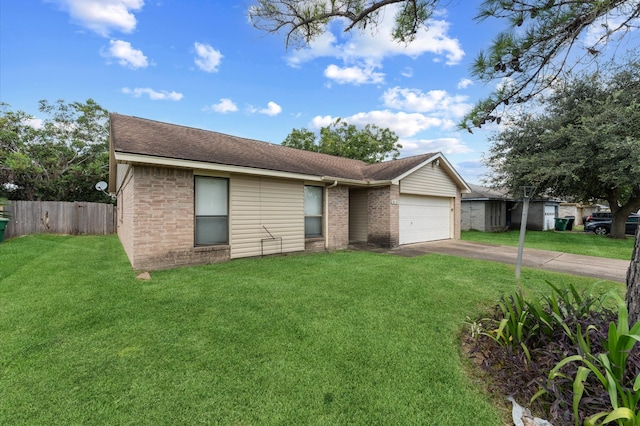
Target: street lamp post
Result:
[528, 192]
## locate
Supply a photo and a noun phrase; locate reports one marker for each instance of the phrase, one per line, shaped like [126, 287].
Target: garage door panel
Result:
[424, 218]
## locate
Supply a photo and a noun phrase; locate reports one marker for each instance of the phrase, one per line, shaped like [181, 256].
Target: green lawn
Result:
[585, 243]
[324, 339]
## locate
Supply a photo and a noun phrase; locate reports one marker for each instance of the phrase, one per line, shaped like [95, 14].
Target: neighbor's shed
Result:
[486, 209]
[541, 217]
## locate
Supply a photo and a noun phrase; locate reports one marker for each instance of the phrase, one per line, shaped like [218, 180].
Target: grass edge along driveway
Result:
[336, 338]
[582, 243]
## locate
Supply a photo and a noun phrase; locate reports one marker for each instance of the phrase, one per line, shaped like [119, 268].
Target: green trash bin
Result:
[3, 225]
[561, 224]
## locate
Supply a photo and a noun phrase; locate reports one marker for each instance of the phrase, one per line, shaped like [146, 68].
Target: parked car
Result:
[603, 226]
[597, 216]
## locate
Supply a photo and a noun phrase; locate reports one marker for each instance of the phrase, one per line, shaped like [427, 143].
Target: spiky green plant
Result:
[610, 369]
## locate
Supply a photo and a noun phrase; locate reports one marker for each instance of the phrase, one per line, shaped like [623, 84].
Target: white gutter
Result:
[356, 182]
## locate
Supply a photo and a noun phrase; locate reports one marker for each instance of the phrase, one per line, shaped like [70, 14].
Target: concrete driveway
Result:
[589, 266]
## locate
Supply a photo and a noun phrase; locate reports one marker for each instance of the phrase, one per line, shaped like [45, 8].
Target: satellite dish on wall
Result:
[101, 186]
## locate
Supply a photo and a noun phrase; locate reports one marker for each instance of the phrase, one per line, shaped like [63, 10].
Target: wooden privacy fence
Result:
[60, 217]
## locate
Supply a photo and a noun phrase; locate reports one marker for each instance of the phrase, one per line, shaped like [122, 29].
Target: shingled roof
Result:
[481, 193]
[133, 135]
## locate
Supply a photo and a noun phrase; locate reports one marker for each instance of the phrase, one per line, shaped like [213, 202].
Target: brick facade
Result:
[384, 216]
[338, 218]
[157, 223]
[156, 220]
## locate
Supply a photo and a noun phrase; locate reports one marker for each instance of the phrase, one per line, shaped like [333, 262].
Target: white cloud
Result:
[505, 83]
[409, 112]
[464, 83]
[323, 46]
[597, 34]
[375, 47]
[318, 121]
[126, 55]
[354, 75]
[103, 16]
[272, 109]
[403, 124]
[36, 123]
[154, 95]
[208, 59]
[436, 102]
[407, 72]
[447, 146]
[224, 106]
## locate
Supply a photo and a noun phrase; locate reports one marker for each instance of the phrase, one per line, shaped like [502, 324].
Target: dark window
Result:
[312, 211]
[212, 211]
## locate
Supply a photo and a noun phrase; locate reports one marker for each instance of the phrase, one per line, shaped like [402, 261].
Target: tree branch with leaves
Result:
[541, 44]
[303, 21]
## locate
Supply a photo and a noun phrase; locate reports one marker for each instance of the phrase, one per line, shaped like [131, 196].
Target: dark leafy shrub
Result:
[524, 340]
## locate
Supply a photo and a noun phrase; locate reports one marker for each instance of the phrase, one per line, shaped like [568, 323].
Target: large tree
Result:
[540, 43]
[370, 144]
[583, 142]
[59, 158]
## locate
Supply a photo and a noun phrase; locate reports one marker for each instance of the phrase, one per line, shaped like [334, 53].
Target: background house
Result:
[542, 214]
[188, 196]
[490, 210]
[579, 211]
[486, 209]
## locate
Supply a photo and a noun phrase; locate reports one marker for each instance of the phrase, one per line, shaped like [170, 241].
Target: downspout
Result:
[326, 215]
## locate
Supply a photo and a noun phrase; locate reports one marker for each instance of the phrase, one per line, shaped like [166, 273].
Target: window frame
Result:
[307, 235]
[196, 215]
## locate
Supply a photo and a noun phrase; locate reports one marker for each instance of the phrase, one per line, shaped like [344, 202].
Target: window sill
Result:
[313, 239]
[218, 247]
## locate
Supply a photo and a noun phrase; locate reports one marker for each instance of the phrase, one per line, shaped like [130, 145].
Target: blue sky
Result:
[200, 63]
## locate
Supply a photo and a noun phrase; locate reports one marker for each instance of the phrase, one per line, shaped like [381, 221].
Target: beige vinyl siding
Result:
[121, 173]
[358, 216]
[429, 180]
[256, 203]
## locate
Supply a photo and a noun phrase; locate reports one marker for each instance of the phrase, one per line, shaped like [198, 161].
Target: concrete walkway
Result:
[589, 266]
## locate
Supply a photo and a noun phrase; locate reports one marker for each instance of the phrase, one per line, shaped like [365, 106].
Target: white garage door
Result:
[424, 218]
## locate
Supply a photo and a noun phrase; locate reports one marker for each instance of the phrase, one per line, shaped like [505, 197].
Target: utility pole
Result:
[528, 191]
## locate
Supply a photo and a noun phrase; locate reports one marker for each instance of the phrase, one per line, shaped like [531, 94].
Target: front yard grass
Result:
[337, 338]
[583, 243]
